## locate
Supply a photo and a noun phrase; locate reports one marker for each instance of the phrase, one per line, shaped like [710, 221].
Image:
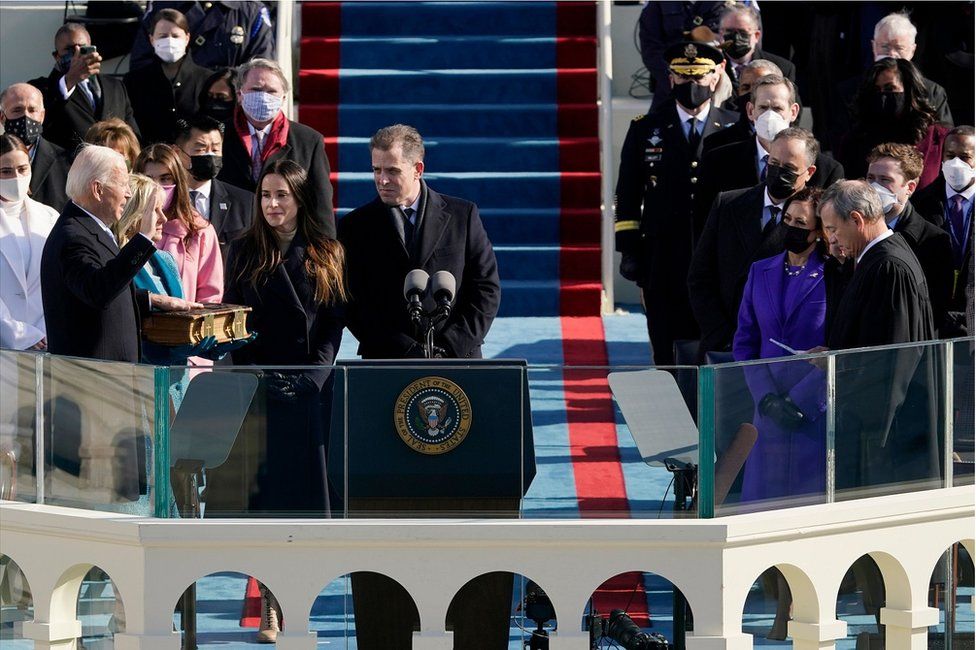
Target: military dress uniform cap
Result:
[692, 59]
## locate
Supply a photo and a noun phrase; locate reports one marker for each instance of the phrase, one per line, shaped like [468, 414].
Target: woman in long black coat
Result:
[168, 88]
[291, 275]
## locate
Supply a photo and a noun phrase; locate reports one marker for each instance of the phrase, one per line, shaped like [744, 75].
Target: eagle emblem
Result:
[432, 415]
[691, 52]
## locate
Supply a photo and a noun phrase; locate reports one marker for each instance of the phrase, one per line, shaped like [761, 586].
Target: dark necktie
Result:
[693, 136]
[957, 225]
[408, 227]
[764, 165]
[773, 219]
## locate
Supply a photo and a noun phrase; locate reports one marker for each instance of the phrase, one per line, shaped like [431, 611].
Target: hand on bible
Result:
[168, 303]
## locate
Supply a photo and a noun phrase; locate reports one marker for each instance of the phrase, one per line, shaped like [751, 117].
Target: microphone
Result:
[414, 288]
[442, 287]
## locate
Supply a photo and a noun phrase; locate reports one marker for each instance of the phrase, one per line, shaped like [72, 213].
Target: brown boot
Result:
[270, 618]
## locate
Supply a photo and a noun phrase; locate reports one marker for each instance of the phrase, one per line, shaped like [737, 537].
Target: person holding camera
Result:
[76, 94]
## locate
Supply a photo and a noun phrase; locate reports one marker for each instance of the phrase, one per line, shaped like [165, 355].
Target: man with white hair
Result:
[22, 114]
[91, 307]
[259, 134]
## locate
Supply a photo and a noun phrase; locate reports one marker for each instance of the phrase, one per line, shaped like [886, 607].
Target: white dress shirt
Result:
[883, 236]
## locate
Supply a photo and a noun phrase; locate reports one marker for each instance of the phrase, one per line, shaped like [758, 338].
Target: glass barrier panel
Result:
[99, 423]
[889, 406]
[769, 424]
[439, 438]
[248, 441]
[20, 391]
[962, 410]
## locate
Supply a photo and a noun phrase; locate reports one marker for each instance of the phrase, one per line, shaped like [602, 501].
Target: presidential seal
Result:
[432, 415]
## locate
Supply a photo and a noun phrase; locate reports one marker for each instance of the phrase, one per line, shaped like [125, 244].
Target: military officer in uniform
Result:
[659, 168]
[222, 34]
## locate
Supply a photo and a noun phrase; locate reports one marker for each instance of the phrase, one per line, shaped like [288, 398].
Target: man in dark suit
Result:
[743, 129]
[22, 114]
[76, 94]
[948, 203]
[410, 226]
[743, 164]
[91, 307]
[894, 170]
[259, 133]
[656, 184]
[741, 28]
[199, 142]
[742, 227]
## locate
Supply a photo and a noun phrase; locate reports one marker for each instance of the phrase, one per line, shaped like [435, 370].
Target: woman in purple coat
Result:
[785, 301]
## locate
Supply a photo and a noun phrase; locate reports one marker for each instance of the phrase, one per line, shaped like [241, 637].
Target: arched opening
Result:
[367, 608]
[16, 604]
[951, 592]
[768, 609]
[636, 603]
[863, 592]
[227, 607]
[500, 607]
[100, 610]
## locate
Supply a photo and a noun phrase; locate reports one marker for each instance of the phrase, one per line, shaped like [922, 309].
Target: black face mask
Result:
[796, 239]
[780, 181]
[64, 62]
[691, 95]
[889, 104]
[219, 109]
[739, 44]
[25, 128]
[205, 167]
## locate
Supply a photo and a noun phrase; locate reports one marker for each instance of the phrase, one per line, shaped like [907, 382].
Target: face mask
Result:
[170, 49]
[690, 95]
[218, 109]
[888, 198]
[796, 239]
[769, 124]
[261, 106]
[25, 128]
[957, 174]
[64, 61]
[205, 167]
[15, 189]
[170, 192]
[889, 104]
[780, 181]
[740, 45]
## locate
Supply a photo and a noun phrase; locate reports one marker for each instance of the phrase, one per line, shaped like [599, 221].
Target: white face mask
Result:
[170, 49]
[769, 124]
[888, 198]
[14, 189]
[261, 106]
[957, 173]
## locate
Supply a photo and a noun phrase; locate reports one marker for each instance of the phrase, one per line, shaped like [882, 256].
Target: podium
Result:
[431, 438]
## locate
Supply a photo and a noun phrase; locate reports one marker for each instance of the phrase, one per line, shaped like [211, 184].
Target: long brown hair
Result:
[180, 208]
[259, 253]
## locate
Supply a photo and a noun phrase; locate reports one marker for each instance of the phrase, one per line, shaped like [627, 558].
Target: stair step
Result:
[444, 51]
[443, 120]
[462, 154]
[490, 189]
[381, 86]
[567, 262]
[549, 298]
[446, 18]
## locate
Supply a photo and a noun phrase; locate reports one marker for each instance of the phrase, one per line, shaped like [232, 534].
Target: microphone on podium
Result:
[442, 288]
[414, 289]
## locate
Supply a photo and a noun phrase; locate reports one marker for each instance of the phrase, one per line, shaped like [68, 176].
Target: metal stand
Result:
[187, 475]
[685, 501]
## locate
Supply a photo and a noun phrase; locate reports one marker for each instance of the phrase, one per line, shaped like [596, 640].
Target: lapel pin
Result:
[223, 206]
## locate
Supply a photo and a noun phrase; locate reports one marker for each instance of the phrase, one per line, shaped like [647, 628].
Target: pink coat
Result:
[201, 267]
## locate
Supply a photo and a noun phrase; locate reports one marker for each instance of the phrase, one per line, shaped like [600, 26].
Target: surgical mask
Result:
[170, 49]
[769, 124]
[169, 192]
[889, 104]
[219, 109]
[740, 45]
[206, 166]
[690, 95]
[780, 181]
[797, 239]
[15, 189]
[888, 198]
[957, 173]
[25, 128]
[261, 106]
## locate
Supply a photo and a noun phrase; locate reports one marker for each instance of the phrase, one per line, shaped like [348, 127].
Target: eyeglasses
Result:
[892, 48]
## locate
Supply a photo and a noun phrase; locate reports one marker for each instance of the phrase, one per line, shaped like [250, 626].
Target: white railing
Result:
[713, 562]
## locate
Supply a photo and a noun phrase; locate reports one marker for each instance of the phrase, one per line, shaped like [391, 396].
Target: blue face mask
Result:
[64, 61]
[261, 106]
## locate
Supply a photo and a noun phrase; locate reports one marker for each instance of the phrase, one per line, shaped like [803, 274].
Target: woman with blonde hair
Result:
[187, 236]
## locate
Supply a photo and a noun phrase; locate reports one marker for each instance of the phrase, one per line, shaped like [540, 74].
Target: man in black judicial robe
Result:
[887, 400]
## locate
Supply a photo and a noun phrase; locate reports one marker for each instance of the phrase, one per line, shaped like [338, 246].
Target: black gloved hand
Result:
[288, 387]
[631, 267]
[782, 411]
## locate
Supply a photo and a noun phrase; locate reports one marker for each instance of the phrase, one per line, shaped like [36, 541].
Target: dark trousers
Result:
[669, 319]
